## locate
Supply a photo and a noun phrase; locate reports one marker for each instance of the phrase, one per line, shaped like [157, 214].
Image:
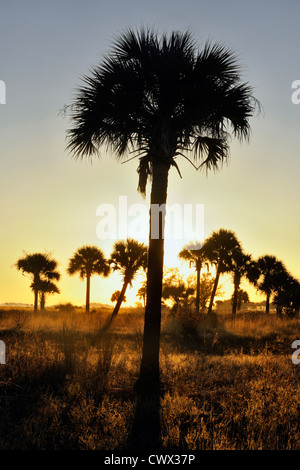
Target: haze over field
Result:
[49, 201]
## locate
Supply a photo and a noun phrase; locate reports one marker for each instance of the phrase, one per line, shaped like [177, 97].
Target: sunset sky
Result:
[48, 201]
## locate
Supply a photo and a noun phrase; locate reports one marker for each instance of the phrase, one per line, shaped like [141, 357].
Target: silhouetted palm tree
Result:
[115, 296]
[42, 268]
[242, 266]
[272, 275]
[197, 258]
[46, 287]
[87, 261]
[219, 249]
[285, 287]
[160, 97]
[128, 257]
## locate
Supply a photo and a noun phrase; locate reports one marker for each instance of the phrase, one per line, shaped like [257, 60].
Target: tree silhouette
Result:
[142, 292]
[241, 266]
[242, 297]
[87, 261]
[42, 268]
[128, 257]
[45, 288]
[219, 249]
[160, 97]
[272, 275]
[115, 296]
[197, 258]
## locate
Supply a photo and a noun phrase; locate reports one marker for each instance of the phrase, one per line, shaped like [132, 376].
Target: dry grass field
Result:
[227, 384]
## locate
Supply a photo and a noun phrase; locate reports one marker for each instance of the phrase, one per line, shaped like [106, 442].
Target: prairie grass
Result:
[228, 383]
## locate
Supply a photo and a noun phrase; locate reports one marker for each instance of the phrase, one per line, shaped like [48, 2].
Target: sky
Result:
[49, 201]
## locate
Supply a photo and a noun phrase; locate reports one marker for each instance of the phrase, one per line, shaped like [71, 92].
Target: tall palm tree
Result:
[42, 268]
[87, 261]
[219, 249]
[197, 258]
[272, 272]
[241, 266]
[128, 257]
[160, 97]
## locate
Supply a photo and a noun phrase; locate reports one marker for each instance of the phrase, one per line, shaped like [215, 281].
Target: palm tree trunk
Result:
[145, 434]
[149, 372]
[43, 300]
[237, 281]
[88, 288]
[268, 303]
[117, 306]
[214, 291]
[36, 299]
[198, 289]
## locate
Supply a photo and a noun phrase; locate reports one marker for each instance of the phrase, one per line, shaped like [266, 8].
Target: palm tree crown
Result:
[128, 257]
[160, 97]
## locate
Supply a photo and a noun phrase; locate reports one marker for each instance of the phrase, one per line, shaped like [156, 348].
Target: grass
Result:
[228, 384]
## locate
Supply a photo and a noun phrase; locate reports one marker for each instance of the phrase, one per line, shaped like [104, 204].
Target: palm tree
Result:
[87, 261]
[46, 287]
[219, 249]
[115, 296]
[272, 274]
[286, 292]
[42, 268]
[142, 293]
[160, 97]
[241, 266]
[197, 258]
[128, 257]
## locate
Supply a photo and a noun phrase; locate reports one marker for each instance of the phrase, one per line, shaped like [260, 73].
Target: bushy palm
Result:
[161, 98]
[219, 249]
[87, 261]
[128, 257]
[42, 268]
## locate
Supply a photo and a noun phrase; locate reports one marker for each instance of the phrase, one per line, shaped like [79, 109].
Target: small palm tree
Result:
[42, 268]
[128, 257]
[196, 256]
[219, 249]
[87, 261]
[142, 293]
[115, 296]
[46, 288]
[272, 273]
[241, 266]
[160, 97]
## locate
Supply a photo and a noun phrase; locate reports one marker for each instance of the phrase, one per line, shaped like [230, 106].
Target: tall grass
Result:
[229, 384]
